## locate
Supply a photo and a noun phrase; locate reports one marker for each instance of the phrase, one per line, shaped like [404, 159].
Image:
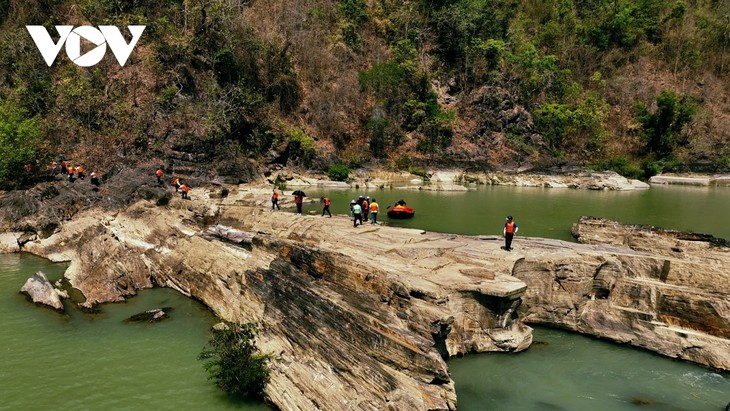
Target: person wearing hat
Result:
[510, 229]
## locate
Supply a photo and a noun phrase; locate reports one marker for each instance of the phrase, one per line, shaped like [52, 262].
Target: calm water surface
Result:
[98, 361]
[82, 361]
[547, 212]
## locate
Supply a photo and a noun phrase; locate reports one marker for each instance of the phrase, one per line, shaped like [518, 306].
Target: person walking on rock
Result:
[326, 207]
[275, 200]
[510, 229]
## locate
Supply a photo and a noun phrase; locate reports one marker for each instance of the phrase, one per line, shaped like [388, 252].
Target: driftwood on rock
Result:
[40, 291]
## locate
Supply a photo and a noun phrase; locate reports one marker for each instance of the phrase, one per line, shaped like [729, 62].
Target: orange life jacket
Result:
[365, 205]
[70, 170]
[184, 188]
[80, 169]
[374, 207]
[159, 173]
[275, 196]
[176, 182]
[326, 201]
[510, 227]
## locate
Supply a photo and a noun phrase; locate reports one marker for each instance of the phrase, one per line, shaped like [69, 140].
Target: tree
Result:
[19, 137]
[663, 128]
[234, 362]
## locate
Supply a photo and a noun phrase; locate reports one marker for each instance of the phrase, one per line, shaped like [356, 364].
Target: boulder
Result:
[39, 290]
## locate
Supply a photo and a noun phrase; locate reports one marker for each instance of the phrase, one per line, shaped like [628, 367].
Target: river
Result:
[99, 361]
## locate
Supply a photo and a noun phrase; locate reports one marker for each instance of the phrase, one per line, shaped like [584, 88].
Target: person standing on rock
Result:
[275, 200]
[365, 208]
[94, 178]
[374, 207]
[510, 229]
[158, 173]
[298, 199]
[356, 214]
[184, 191]
[326, 207]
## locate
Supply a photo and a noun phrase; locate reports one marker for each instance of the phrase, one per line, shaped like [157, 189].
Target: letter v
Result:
[116, 41]
[49, 50]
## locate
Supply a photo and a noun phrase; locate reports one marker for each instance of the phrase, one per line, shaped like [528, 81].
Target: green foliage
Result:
[301, 144]
[621, 165]
[338, 172]
[234, 363]
[403, 162]
[566, 124]
[19, 137]
[385, 134]
[381, 78]
[663, 128]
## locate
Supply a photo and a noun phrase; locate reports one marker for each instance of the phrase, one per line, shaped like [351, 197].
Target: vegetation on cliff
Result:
[234, 362]
[633, 85]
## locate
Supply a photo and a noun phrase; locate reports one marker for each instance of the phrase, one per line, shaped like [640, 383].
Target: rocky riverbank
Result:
[364, 317]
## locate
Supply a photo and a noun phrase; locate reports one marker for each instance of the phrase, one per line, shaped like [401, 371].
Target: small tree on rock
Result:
[234, 362]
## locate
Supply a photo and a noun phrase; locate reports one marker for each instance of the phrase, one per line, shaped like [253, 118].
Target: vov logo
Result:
[101, 37]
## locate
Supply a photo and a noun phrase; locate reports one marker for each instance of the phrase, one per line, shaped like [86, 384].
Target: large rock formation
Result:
[363, 317]
[663, 290]
[360, 317]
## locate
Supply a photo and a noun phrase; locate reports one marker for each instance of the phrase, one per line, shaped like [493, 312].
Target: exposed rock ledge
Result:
[361, 317]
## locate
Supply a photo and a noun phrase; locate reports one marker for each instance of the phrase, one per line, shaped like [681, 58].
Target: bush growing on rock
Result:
[338, 172]
[234, 362]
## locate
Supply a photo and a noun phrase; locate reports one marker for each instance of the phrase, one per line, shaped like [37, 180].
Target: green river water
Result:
[82, 361]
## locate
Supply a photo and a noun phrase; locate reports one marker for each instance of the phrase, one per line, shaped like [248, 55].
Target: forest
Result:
[636, 86]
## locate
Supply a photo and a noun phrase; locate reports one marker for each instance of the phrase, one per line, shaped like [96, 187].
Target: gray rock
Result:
[40, 291]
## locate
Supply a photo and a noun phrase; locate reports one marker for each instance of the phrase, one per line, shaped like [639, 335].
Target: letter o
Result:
[73, 46]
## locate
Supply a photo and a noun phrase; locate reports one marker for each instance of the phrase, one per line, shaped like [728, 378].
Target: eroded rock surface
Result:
[663, 290]
[361, 318]
[41, 292]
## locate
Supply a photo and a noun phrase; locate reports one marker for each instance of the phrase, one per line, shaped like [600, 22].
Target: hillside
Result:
[226, 86]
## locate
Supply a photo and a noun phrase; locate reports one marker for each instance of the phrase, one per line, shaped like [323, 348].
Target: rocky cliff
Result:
[362, 318]
[663, 290]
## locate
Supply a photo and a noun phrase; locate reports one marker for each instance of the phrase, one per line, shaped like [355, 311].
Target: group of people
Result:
[362, 208]
[74, 172]
[180, 186]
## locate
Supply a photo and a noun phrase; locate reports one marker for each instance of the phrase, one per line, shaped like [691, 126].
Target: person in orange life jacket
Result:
[70, 171]
[510, 229]
[356, 213]
[298, 201]
[275, 200]
[184, 191]
[365, 208]
[80, 171]
[94, 178]
[176, 183]
[158, 173]
[326, 207]
[374, 207]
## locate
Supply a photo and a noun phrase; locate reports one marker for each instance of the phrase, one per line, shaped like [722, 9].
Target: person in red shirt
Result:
[158, 173]
[326, 207]
[510, 229]
[298, 201]
[275, 200]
